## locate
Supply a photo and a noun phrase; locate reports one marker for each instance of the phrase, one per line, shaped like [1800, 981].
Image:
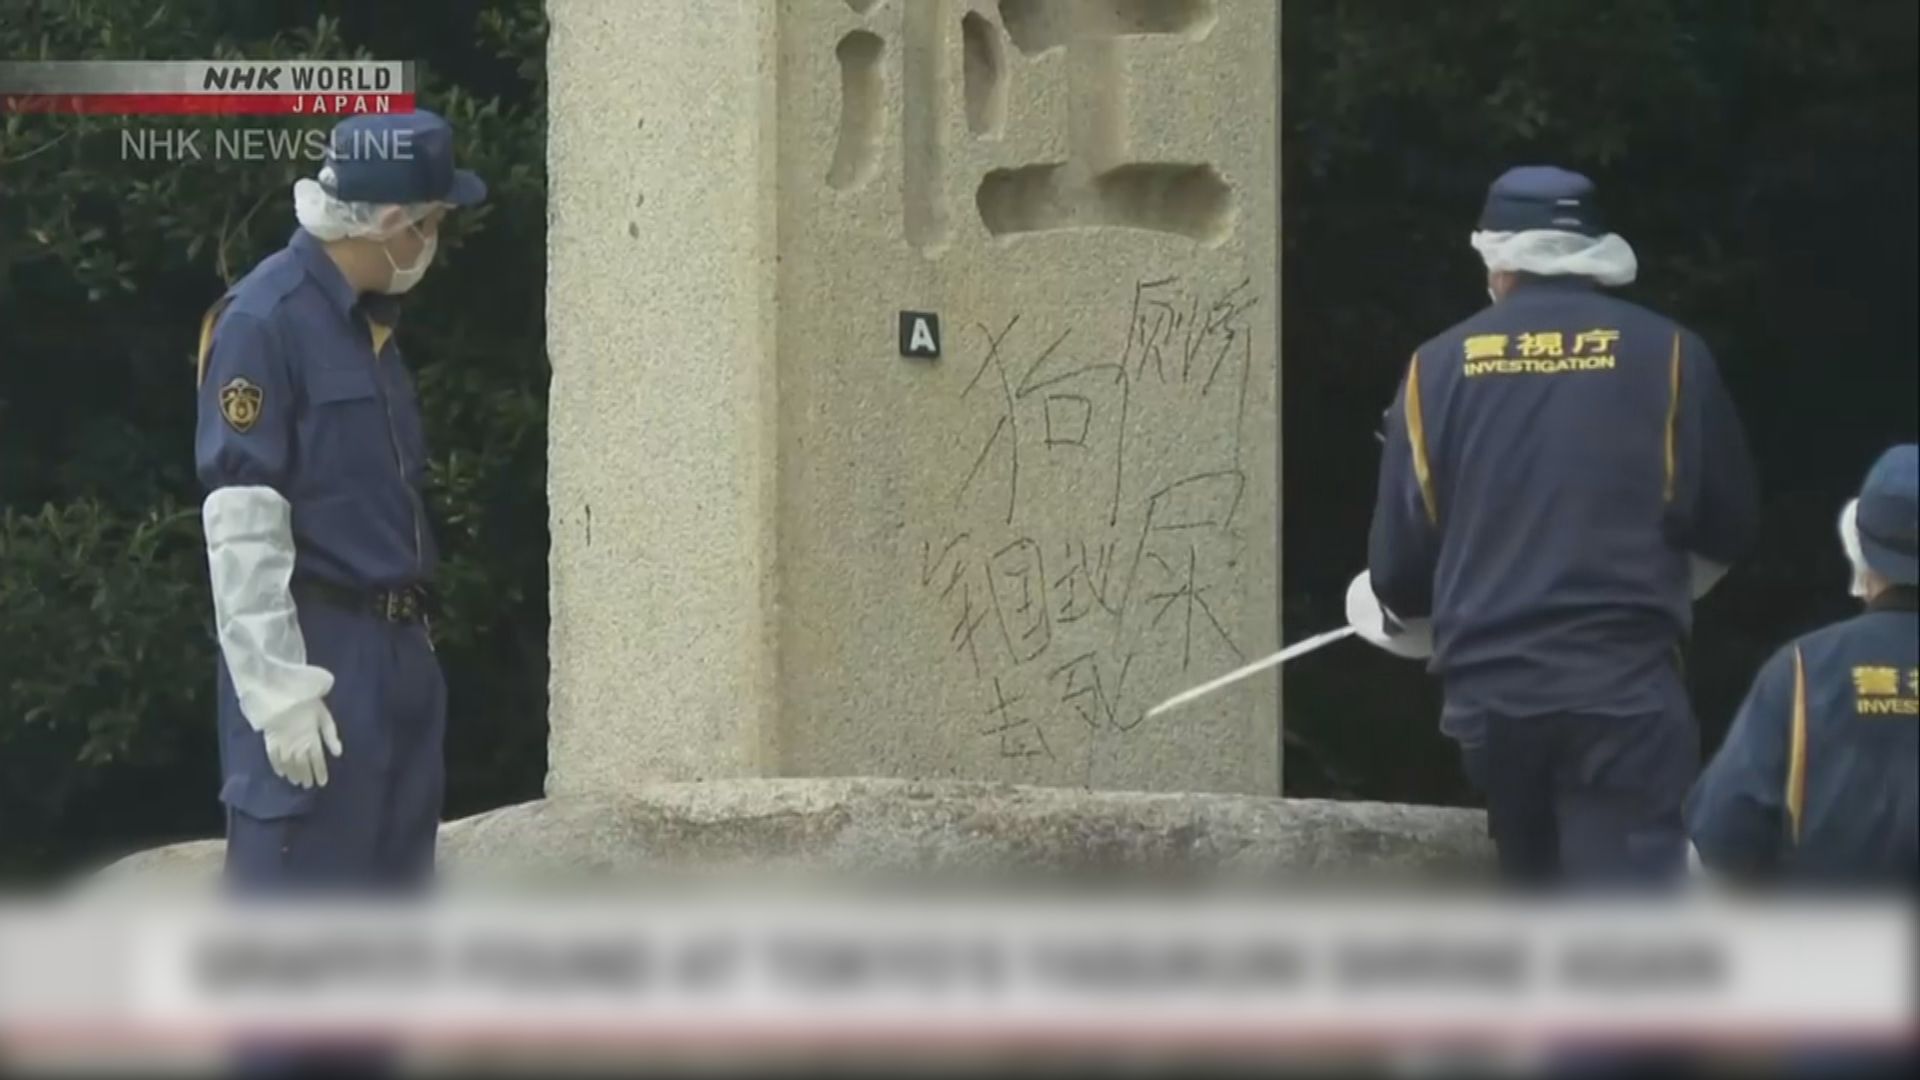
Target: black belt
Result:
[408, 604]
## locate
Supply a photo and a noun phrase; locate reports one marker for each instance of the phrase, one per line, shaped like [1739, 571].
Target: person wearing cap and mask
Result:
[1816, 781]
[1564, 474]
[309, 442]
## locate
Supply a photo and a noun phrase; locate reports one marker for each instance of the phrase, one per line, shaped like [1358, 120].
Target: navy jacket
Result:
[303, 390]
[1550, 463]
[1816, 780]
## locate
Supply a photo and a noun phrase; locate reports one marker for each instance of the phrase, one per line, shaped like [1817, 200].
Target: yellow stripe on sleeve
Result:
[1673, 416]
[1417, 437]
[1796, 795]
[207, 322]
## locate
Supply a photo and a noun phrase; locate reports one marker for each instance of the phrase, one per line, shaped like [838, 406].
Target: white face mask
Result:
[406, 277]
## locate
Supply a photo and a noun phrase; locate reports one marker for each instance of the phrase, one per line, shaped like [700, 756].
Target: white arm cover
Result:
[250, 561]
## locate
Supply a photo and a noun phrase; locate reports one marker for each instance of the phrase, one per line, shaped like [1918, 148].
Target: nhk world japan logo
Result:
[207, 87]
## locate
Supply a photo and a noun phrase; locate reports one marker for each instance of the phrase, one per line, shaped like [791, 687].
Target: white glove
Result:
[1699, 876]
[250, 564]
[1706, 574]
[1414, 640]
[297, 741]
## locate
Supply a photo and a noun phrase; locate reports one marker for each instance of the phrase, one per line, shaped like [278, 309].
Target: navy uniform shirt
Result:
[1550, 464]
[303, 390]
[1817, 779]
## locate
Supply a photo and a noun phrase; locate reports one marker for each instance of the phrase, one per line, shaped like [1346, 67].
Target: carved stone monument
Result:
[913, 430]
[782, 548]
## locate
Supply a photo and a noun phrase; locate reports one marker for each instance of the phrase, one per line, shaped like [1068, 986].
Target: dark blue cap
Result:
[1888, 516]
[1542, 197]
[397, 158]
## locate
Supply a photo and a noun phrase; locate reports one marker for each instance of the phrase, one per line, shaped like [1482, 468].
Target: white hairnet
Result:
[1607, 259]
[1850, 541]
[331, 218]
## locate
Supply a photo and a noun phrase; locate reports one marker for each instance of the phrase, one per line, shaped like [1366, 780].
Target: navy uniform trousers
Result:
[372, 827]
[1587, 800]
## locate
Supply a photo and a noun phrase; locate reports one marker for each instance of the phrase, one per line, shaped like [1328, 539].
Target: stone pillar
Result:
[783, 548]
[659, 309]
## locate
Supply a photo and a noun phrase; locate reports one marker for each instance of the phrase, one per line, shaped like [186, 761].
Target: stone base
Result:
[841, 829]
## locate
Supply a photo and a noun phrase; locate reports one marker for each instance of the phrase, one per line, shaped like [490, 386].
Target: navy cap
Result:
[1888, 516]
[397, 158]
[1542, 197]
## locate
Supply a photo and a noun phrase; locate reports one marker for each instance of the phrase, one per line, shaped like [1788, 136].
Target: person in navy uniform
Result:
[332, 706]
[1564, 474]
[1815, 784]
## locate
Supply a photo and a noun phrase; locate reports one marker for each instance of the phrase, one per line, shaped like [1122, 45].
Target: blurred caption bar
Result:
[1256, 972]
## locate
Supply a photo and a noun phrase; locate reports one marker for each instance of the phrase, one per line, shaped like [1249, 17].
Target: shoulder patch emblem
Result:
[240, 402]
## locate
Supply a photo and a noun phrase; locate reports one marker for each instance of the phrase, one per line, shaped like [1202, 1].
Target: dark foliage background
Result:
[1759, 153]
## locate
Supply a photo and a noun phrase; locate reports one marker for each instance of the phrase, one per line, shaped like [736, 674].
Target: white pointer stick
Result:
[1318, 641]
